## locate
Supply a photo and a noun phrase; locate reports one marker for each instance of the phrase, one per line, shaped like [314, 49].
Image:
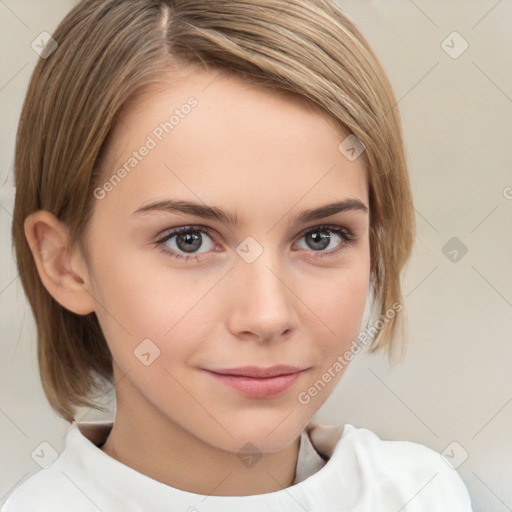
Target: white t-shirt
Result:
[339, 468]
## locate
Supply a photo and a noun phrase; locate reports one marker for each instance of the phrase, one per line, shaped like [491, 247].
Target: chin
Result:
[268, 436]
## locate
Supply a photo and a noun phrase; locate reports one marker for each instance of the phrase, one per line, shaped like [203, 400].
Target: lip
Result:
[257, 382]
[259, 372]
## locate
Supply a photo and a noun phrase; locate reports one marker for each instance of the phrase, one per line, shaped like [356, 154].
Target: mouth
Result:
[258, 382]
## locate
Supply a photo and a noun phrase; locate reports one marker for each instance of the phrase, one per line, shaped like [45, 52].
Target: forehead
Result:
[215, 137]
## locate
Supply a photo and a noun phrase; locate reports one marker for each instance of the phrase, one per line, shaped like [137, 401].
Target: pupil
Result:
[322, 239]
[191, 242]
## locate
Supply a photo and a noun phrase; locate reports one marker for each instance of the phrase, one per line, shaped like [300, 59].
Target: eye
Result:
[185, 240]
[334, 238]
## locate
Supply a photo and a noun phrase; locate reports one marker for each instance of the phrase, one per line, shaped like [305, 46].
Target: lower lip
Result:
[258, 387]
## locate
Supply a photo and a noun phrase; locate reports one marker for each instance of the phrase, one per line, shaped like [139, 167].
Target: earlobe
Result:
[49, 242]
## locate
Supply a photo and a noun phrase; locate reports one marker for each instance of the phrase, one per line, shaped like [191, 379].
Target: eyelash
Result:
[343, 233]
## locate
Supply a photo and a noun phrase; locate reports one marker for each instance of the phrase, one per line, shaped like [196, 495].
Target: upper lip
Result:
[259, 372]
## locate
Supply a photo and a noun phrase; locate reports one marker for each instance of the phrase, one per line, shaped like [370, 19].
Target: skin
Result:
[268, 155]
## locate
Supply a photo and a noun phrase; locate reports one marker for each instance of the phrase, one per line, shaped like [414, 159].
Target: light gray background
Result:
[455, 384]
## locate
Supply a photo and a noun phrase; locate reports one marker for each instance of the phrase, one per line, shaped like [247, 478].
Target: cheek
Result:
[142, 304]
[341, 308]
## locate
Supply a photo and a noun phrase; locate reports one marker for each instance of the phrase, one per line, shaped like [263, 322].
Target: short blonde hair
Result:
[108, 53]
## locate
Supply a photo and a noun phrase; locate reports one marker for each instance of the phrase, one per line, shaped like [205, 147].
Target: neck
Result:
[155, 446]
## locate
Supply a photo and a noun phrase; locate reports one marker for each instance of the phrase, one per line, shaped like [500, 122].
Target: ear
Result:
[63, 274]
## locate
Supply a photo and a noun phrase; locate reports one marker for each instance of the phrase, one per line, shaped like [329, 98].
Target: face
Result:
[241, 278]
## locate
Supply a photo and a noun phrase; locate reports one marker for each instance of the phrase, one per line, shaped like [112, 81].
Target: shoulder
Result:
[50, 490]
[396, 467]
[57, 486]
[47, 489]
[68, 479]
[34, 493]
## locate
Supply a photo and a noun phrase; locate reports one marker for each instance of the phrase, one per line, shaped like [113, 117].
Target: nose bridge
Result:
[262, 301]
[261, 268]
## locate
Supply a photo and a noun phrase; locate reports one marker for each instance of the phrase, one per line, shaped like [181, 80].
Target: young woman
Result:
[207, 193]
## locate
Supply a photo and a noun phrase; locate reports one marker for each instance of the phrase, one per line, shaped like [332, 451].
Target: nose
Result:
[263, 303]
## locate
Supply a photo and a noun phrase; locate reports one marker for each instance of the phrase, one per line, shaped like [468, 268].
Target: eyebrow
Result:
[232, 219]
